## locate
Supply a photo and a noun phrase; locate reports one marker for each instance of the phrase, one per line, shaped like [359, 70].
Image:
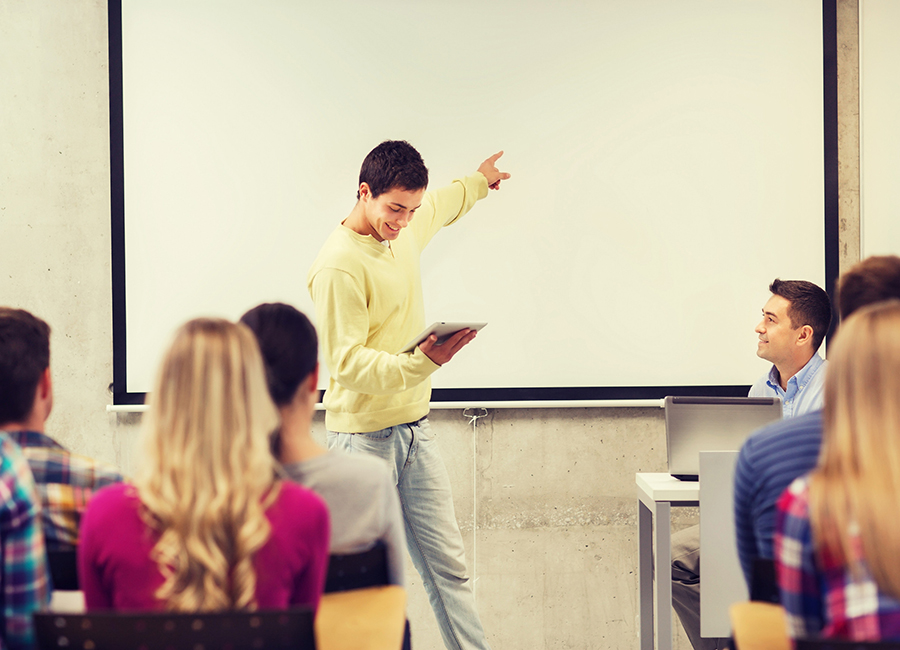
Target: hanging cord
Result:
[473, 420]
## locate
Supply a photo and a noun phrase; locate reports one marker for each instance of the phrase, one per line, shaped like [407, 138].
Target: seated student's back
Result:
[360, 492]
[837, 539]
[205, 526]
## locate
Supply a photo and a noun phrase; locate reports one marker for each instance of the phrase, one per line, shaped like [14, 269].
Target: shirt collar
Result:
[33, 439]
[802, 378]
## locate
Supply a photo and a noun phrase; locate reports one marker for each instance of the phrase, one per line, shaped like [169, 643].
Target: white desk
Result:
[657, 493]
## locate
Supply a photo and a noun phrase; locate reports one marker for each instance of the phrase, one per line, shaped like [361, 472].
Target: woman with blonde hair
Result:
[205, 526]
[838, 538]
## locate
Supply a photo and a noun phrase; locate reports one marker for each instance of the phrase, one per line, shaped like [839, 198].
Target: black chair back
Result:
[357, 570]
[764, 582]
[273, 630]
[63, 569]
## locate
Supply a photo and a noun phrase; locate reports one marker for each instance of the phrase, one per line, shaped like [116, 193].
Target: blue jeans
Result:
[432, 532]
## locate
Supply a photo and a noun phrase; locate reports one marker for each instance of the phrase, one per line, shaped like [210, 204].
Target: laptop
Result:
[695, 424]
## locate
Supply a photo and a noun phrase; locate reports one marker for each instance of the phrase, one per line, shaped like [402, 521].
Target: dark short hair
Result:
[809, 305]
[24, 356]
[874, 279]
[393, 163]
[289, 346]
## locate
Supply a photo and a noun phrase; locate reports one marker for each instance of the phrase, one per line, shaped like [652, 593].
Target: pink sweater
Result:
[116, 571]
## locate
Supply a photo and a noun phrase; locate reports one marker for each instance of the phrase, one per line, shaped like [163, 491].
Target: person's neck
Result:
[297, 445]
[32, 423]
[357, 222]
[788, 370]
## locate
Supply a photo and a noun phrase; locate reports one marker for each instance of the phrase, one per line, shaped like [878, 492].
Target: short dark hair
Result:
[874, 279]
[809, 305]
[24, 356]
[289, 346]
[393, 163]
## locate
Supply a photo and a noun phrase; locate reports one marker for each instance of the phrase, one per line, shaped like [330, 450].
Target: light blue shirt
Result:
[805, 390]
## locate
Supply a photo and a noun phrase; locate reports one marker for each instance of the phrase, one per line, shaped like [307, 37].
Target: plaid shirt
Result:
[65, 483]
[820, 594]
[24, 561]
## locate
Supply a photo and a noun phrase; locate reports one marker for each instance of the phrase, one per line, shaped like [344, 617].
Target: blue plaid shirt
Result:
[65, 483]
[25, 580]
[821, 595]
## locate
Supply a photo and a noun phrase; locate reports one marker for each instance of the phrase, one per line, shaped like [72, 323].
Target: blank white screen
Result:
[666, 158]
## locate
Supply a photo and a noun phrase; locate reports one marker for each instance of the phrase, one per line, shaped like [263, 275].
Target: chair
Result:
[359, 609]
[273, 630]
[362, 619]
[832, 644]
[764, 582]
[357, 570]
[759, 626]
[63, 569]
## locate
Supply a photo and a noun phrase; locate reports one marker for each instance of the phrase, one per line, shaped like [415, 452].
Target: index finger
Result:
[495, 157]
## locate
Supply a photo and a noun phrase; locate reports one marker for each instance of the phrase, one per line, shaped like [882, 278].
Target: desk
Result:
[657, 493]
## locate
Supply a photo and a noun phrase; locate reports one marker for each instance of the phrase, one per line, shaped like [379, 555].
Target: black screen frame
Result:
[121, 396]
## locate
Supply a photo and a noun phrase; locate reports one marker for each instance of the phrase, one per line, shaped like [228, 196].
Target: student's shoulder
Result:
[18, 498]
[116, 498]
[293, 496]
[784, 436]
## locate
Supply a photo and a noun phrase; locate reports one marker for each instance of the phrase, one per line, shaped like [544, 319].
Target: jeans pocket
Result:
[422, 429]
[380, 435]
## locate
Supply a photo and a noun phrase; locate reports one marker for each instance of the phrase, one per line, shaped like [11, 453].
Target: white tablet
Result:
[442, 330]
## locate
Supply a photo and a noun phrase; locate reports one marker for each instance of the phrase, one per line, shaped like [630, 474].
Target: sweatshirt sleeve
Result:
[343, 321]
[446, 205]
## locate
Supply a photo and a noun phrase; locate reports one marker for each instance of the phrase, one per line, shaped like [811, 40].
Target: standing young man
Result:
[367, 289]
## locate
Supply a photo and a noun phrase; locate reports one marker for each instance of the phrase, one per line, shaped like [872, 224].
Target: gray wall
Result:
[546, 498]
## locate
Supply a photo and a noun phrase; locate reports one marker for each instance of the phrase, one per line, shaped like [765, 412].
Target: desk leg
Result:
[663, 573]
[645, 575]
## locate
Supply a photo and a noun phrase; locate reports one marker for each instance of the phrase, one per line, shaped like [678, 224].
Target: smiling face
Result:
[390, 212]
[777, 336]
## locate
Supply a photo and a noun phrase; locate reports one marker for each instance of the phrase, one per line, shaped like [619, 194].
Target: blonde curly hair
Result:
[207, 477]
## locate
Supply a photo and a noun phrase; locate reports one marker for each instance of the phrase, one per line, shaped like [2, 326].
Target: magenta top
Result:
[116, 572]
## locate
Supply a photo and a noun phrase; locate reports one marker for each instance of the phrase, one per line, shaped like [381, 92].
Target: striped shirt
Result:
[769, 461]
[24, 574]
[65, 484]
[821, 596]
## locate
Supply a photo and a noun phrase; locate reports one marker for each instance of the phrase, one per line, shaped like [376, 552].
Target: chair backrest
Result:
[273, 630]
[831, 644]
[358, 570]
[63, 569]
[759, 626]
[723, 580]
[362, 619]
[764, 582]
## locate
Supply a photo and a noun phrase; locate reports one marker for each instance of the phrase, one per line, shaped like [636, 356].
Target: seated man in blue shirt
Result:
[774, 456]
[794, 322]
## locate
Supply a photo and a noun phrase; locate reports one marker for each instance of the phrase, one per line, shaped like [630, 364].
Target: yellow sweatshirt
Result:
[368, 300]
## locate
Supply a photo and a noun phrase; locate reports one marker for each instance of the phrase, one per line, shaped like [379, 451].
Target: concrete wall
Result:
[546, 498]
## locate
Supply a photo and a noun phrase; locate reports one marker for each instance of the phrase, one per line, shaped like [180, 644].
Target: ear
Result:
[805, 335]
[365, 192]
[44, 393]
[311, 382]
